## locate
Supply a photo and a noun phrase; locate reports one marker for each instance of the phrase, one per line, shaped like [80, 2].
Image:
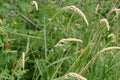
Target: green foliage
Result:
[44, 61]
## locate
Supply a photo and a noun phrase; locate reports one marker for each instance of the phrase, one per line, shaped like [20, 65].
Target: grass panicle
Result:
[104, 20]
[67, 40]
[23, 60]
[97, 55]
[112, 36]
[75, 75]
[35, 4]
[77, 10]
[107, 49]
[116, 10]
[97, 8]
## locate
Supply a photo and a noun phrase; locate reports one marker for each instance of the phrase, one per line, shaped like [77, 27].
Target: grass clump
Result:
[48, 40]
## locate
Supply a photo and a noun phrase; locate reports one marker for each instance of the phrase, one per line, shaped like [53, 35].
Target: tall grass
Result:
[78, 40]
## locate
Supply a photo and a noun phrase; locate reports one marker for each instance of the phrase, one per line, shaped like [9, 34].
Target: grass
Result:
[66, 47]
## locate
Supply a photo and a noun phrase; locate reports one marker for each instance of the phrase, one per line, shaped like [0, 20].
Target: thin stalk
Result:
[45, 43]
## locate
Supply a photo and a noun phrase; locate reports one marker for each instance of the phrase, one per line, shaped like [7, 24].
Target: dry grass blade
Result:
[77, 10]
[35, 4]
[67, 40]
[75, 75]
[104, 20]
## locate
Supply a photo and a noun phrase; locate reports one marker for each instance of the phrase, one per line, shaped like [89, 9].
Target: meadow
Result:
[60, 40]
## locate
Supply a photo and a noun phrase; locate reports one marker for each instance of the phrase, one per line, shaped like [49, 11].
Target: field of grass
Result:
[60, 40]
